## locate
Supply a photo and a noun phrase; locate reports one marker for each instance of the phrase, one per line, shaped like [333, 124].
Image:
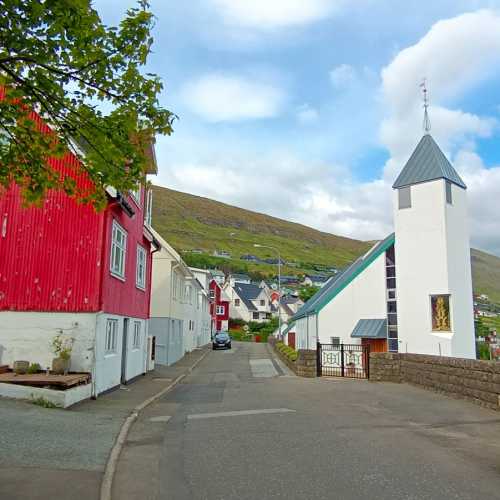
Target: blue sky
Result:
[308, 109]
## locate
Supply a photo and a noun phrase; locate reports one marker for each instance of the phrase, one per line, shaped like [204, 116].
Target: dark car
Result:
[222, 340]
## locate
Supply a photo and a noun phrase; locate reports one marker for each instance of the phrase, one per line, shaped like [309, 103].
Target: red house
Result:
[219, 308]
[67, 269]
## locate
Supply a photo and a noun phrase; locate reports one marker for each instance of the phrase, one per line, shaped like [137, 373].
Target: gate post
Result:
[367, 361]
[342, 360]
[318, 359]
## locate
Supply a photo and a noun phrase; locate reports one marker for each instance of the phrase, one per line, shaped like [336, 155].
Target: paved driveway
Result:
[238, 428]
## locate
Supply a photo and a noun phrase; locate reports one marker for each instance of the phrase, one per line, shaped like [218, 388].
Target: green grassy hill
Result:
[191, 222]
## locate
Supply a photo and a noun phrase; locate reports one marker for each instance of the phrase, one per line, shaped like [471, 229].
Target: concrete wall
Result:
[28, 336]
[475, 380]
[432, 257]
[304, 366]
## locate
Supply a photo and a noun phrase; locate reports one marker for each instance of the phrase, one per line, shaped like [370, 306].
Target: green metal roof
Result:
[333, 287]
[427, 163]
[370, 329]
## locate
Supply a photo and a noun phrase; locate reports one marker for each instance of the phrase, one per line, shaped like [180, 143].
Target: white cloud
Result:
[269, 14]
[218, 97]
[306, 114]
[342, 76]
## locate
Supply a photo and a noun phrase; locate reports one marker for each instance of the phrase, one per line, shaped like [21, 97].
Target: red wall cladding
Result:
[50, 256]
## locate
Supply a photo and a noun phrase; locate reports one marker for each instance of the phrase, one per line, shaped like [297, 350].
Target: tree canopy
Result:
[87, 82]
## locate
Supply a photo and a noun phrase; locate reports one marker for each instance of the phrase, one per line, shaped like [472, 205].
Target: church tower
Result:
[433, 265]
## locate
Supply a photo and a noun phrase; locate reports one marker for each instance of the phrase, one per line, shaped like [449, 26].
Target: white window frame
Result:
[136, 342]
[111, 339]
[220, 310]
[140, 268]
[148, 213]
[135, 194]
[118, 272]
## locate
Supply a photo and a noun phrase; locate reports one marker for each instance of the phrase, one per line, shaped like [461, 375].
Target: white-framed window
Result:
[136, 344]
[136, 194]
[118, 250]
[211, 294]
[140, 268]
[335, 340]
[236, 302]
[220, 310]
[148, 213]
[111, 336]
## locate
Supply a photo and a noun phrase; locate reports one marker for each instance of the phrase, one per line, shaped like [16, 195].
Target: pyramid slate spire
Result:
[427, 163]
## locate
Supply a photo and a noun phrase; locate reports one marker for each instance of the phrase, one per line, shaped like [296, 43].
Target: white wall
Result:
[363, 298]
[28, 335]
[432, 257]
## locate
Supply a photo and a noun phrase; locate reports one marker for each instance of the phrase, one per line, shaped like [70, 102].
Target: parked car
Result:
[222, 340]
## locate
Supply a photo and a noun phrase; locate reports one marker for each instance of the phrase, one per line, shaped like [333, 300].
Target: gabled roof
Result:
[427, 163]
[334, 286]
[247, 292]
[370, 329]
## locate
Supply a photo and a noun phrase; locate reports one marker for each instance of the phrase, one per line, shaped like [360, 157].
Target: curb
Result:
[109, 471]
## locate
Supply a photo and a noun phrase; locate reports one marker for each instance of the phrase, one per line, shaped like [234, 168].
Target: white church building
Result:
[411, 292]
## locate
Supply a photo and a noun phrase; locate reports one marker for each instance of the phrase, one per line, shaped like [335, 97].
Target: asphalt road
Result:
[241, 428]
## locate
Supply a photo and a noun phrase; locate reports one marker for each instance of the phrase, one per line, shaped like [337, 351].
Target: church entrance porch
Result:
[343, 360]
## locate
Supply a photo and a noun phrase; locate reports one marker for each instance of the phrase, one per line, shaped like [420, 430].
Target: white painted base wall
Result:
[63, 399]
[28, 335]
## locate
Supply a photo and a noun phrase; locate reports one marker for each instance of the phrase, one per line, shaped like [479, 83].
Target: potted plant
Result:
[62, 348]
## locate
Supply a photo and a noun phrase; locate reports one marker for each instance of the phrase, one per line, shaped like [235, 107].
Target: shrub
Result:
[34, 368]
[287, 351]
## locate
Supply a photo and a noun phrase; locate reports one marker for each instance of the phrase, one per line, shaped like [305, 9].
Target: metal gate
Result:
[343, 360]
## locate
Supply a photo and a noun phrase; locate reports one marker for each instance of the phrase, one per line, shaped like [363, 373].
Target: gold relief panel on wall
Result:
[440, 306]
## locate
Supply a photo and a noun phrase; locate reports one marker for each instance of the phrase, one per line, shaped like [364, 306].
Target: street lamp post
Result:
[256, 245]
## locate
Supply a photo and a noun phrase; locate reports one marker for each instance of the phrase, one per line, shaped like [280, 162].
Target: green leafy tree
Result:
[86, 81]
[306, 292]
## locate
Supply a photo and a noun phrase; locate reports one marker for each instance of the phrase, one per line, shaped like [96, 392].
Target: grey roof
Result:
[240, 276]
[335, 285]
[247, 292]
[370, 329]
[318, 277]
[427, 163]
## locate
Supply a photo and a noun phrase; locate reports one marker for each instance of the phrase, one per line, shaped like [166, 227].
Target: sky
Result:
[308, 109]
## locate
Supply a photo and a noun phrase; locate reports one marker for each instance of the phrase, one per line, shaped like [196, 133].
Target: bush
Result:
[287, 351]
[34, 368]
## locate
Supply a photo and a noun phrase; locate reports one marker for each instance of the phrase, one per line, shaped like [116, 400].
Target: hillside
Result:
[191, 222]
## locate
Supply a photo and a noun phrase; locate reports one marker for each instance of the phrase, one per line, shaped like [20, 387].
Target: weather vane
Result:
[427, 122]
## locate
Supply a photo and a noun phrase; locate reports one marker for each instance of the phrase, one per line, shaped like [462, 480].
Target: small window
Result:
[392, 319]
[111, 336]
[390, 256]
[237, 302]
[404, 197]
[393, 332]
[262, 302]
[255, 315]
[335, 340]
[449, 195]
[440, 309]
[391, 271]
[220, 310]
[391, 294]
[136, 344]
[393, 345]
[118, 250]
[391, 283]
[392, 307]
[140, 270]
[211, 294]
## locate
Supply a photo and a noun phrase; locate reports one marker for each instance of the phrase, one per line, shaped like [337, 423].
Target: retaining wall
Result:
[475, 380]
[303, 366]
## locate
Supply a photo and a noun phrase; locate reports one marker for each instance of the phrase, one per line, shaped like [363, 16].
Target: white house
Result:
[411, 292]
[179, 312]
[315, 280]
[248, 302]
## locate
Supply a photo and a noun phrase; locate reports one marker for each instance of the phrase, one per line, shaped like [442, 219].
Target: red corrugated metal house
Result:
[65, 268]
[219, 308]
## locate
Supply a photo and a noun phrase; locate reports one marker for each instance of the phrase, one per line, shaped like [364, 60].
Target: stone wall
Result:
[303, 366]
[475, 380]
